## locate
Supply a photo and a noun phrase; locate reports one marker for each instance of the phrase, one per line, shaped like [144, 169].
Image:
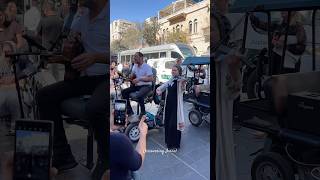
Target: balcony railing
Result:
[175, 7]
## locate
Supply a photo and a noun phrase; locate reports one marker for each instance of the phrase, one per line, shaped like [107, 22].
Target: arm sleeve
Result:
[149, 71]
[164, 86]
[129, 158]
[76, 24]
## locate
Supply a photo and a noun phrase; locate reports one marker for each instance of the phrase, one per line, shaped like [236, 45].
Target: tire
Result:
[271, 166]
[195, 118]
[251, 84]
[132, 131]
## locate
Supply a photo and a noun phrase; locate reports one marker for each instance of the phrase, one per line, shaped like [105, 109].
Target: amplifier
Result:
[304, 112]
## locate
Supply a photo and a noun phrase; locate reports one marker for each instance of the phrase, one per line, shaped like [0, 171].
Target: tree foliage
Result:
[177, 37]
[150, 32]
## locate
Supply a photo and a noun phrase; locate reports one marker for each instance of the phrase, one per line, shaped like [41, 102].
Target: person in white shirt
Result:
[142, 77]
[32, 17]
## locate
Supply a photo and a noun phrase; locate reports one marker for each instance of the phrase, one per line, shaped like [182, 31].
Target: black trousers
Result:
[50, 98]
[141, 93]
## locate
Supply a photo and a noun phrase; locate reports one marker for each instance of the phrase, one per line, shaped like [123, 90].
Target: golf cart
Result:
[201, 104]
[289, 111]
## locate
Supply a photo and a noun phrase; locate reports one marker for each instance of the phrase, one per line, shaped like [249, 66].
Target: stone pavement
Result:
[190, 162]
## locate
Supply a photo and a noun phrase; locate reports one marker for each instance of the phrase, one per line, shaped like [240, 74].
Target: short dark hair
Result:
[140, 54]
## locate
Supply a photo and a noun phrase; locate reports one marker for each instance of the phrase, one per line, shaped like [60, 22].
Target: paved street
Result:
[191, 162]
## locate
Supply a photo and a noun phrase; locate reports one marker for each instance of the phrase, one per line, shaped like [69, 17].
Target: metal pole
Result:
[243, 46]
[285, 42]
[314, 39]
[269, 45]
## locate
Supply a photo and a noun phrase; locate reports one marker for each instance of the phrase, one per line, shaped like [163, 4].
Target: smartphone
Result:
[120, 109]
[33, 150]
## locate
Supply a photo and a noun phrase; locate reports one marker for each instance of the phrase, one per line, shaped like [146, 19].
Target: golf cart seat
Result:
[268, 114]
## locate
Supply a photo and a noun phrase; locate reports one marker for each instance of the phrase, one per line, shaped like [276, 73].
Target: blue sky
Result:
[136, 10]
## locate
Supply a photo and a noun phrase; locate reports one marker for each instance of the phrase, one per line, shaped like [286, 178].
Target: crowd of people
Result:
[40, 21]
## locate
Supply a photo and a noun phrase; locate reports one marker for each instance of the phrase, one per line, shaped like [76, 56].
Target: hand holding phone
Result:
[33, 150]
[143, 127]
[7, 167]
[120, 109]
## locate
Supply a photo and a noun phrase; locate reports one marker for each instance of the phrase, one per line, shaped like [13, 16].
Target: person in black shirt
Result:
[123, 157]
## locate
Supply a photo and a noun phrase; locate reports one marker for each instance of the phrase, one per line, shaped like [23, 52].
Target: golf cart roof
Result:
[196, 61]
[241, 6]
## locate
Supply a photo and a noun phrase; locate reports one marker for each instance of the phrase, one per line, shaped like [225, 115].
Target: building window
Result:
[190, 27]
[195, 49]
[163, 54]
[177, 28]
[195, 29]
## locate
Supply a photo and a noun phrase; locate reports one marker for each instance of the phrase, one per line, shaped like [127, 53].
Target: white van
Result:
[163, 67]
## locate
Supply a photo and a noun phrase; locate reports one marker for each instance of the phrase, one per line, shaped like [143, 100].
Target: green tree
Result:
[132, 37]
[117, 46]
[177, 37]
[150, 32]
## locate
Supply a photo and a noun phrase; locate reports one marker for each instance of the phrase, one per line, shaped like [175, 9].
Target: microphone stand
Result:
[15, 58]
[17, 86]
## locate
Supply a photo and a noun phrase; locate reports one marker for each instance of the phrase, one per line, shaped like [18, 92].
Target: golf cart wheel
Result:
[133, 132]
[195, 118]
[271, 166]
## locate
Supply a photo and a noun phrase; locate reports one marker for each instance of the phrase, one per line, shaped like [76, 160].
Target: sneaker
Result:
[99, 170]
[64, 163]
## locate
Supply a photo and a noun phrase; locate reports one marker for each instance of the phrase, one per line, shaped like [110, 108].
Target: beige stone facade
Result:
[192, 18]
[118, 27]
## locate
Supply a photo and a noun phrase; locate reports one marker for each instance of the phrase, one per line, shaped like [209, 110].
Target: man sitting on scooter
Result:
[205, 85]
[142, 78]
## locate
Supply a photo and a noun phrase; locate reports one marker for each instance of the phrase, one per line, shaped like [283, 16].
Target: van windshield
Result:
[186, 51]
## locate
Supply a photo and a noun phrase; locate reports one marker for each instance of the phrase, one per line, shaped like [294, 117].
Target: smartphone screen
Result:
[33, 149]
[120, 112]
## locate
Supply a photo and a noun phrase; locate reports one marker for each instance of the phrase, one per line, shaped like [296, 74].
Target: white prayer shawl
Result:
[226, 93]
[180, 109]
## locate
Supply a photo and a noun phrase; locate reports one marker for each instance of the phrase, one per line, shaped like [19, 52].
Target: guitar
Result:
[72, 47]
